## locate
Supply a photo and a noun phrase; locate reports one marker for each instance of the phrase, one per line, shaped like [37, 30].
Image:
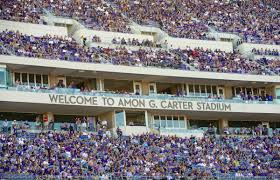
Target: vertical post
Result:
[146, 120]
[223, 123]
[48, 120]
[100, 84]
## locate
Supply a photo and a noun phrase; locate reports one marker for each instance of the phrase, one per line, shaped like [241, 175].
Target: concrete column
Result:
[48, 119]
[109, 117]
[145, 88]
[53, 80]
[276, 93]
[223, 123]
[146, 119]
[100, 84]
[228, 92]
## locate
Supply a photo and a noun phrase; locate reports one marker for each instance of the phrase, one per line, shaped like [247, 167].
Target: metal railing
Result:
[114, 177]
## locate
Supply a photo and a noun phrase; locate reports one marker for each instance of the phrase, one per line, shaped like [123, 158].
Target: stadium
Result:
[139, 89]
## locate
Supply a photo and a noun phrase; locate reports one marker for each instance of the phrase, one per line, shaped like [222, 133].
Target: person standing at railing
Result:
[84, 124]
[91, 124]
[71, 129]
[14, 127]
[78, 123]
[5, 126]
[119, 132]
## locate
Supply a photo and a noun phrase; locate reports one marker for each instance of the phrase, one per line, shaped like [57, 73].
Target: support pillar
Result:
[48, 120]
[223, 123]
[100, 84]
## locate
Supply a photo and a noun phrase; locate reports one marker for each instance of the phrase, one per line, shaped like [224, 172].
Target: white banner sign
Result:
[139, 103]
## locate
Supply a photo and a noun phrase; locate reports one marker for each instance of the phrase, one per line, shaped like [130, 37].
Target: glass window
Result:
[38, 79]
[202, 87]
[169, 122]
[24, 78]
[2, 78]
[182, 122]
[237, 90]
[119, 118]
[156, 117]
[162, 122]
[208, 89]
[17, 77]
[176, 122]
[278, 93]
[152, 89]
[214, 89]
[31, 78]
[156, 121]
[255, 91]
[45, 79]
[196, 87]
[249, 91]
[243, 90]
[191, 88]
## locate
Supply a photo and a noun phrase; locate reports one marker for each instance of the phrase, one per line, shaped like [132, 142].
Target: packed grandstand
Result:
[139, 89]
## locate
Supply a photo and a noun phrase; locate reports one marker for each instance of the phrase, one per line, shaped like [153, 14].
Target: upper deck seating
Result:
[255, 21]
[94, 14]
[65, 48]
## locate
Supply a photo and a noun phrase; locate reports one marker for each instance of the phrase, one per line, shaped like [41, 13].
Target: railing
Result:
[189, 97]
[112, 177]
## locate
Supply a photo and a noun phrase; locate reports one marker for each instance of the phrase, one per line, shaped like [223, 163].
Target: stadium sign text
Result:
[139, 103]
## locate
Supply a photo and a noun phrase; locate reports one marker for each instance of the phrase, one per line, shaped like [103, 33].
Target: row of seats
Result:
[58, 48]
[255, 21]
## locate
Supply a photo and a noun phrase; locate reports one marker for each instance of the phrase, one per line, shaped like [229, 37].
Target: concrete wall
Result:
[228, 92]
[37, 98]
[106, 37]
[145, 88]
[134, 130]
[247, 47]
[33, 29]
[109, 117]
[184, 135]
[205, 44]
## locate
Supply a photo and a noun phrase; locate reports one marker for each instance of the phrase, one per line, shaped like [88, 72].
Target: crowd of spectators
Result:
[15, 127]
[70, 155]
[94, 14]
[272, 65]
[276, 132]
[65, 48]
[250, 97]
[22, 11]
[48, 47]
[219, 61]
[255, 131]
[255, 21]
[273, 52]
[170, 16]
[135, 42]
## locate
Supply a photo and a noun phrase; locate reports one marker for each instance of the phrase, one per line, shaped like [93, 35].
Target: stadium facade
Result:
[137, 99]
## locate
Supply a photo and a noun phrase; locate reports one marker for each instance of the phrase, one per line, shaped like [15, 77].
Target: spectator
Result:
[5, 126]
[14, 127]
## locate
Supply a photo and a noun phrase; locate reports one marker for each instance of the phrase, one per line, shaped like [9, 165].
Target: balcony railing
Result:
[190, 97]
